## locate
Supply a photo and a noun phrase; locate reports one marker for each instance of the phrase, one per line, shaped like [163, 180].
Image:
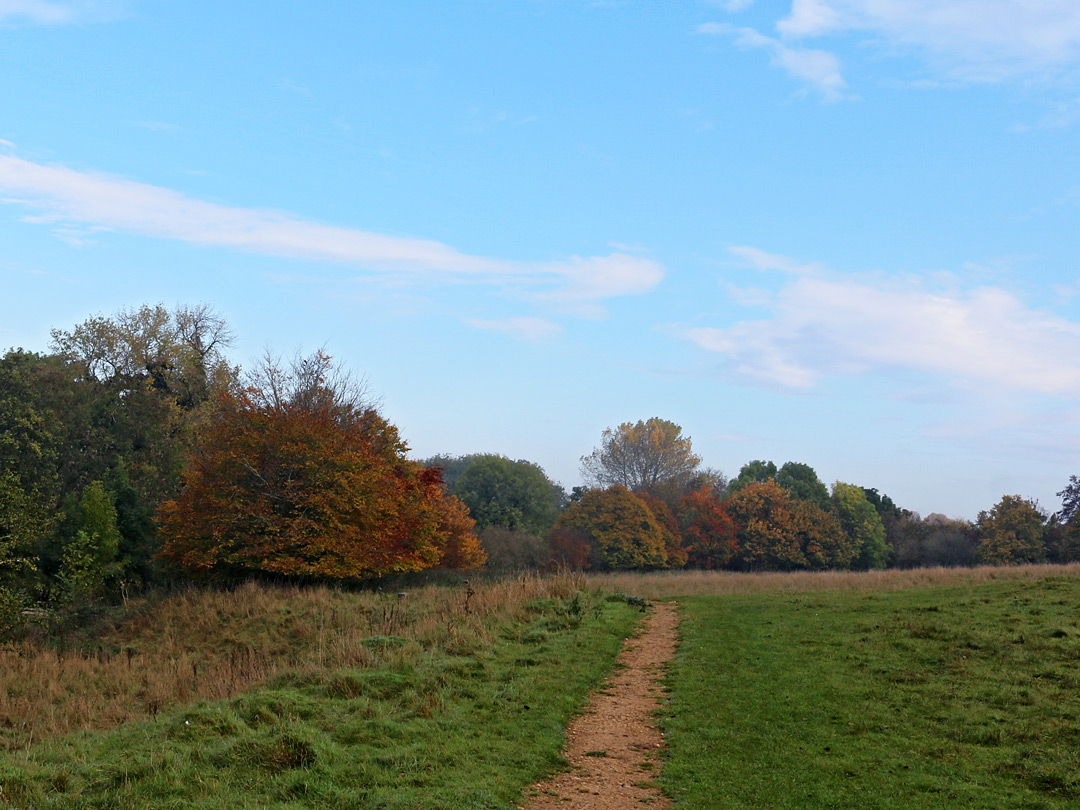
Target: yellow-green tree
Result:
[614, 529]
[1011, 533]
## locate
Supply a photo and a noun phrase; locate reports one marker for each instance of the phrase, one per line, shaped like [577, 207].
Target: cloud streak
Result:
[819, 70]
[45, 12]
[829, 325]
[64, 198]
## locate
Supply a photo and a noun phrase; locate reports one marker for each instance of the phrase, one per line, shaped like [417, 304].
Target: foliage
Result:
[1070, 500]
[707, 530]
[803, 483]
[676, 554]
[650, 456]
[1012, 532]
[301, 476]
[862, 523]
[511, 551]
[778, 532]
[90, 565]
[617, 531]
[753, 472]
[933, 541]
[514, 494]
[896, 700]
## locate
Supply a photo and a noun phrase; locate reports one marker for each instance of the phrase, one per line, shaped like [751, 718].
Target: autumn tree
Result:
[706, 529]
[610, 529]
[862, 523]
[1012, 532]
[299, 475]
[651, 456]
[675, 552]
[779, 532]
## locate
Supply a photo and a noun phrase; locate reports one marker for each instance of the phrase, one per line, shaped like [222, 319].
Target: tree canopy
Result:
[651, 456]
[298, 474]
[516, 495]
[610, 529]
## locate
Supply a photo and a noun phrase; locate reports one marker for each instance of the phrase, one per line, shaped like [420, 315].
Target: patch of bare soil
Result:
[614, 747]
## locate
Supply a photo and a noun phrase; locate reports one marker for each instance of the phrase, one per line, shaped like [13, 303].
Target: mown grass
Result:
[454, 709]
[929, 697]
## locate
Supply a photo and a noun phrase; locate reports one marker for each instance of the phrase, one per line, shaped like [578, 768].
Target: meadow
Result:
[905, 689]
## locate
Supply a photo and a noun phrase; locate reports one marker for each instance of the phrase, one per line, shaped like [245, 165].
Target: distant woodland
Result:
[135, 455]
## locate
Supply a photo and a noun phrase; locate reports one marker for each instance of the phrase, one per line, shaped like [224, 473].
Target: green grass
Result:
[451, 728]
[930, 698]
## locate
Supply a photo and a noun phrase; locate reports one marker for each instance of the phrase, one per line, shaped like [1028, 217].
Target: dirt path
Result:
[613, 748]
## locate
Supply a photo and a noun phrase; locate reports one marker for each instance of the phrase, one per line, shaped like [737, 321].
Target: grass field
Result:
[920, 697]
[905, 689]
[455, 708]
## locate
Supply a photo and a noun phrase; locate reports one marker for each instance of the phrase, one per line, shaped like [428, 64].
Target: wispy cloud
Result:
[526, 328]
[819, 70]
[988, 40]
[828, 324]
[91, 202]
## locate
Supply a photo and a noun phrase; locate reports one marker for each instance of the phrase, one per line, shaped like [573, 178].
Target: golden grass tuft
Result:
[206, 644]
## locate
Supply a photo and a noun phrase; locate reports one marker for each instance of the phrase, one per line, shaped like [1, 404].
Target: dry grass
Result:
[663, 584]
[206, 644]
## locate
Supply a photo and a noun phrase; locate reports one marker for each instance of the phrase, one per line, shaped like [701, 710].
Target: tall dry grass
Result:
[665, 584]
[205, 644]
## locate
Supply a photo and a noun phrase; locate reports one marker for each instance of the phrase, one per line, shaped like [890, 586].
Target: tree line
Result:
[133, 454]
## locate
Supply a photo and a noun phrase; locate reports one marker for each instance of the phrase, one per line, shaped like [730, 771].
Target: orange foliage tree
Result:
[298, 475]
[614, 528]
[778, 532]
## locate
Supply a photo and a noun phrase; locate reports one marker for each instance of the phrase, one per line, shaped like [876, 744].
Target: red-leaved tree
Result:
[299, 475]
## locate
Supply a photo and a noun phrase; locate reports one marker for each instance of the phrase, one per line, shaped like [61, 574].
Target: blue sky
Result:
[841, 232]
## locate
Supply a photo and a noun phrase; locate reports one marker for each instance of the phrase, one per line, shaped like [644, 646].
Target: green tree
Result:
[651, 456]
[753, 472]
[90, 566]
[614, 528]
[514, 494]
[802, 481]
[862, 523]
[1011, 533]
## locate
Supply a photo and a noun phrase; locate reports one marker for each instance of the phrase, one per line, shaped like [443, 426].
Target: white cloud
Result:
[525, 328]
[975, 40]
[818, 69]
[66, 198]
[826, 324]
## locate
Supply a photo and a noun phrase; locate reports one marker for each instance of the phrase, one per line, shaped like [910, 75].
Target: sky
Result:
[839, 232]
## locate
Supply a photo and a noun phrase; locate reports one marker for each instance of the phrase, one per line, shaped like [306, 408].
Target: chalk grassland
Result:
[270, 697]
[954, 695]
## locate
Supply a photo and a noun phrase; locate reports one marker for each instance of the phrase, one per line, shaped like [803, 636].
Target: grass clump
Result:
[449, 718]
[921, 698]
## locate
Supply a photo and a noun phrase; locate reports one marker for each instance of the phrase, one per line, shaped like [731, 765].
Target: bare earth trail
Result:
[614, 747]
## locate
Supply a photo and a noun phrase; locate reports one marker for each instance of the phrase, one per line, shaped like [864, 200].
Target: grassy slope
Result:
[463, 724]
[935, 697]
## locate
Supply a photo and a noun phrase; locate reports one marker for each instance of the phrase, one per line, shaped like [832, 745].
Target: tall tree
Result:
[301, 476]
[651, 456]
[802, 481]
